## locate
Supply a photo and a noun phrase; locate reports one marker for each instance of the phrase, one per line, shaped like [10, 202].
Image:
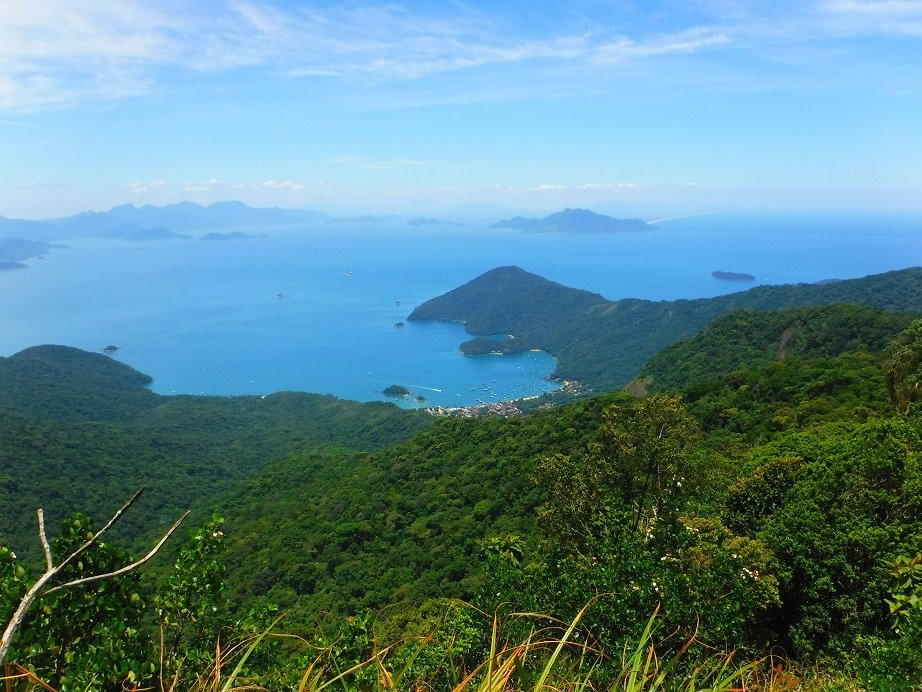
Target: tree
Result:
[75, 553]
[903, 367]
[636, 462]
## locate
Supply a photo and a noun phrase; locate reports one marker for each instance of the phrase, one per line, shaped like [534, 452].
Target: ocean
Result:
[314, 308]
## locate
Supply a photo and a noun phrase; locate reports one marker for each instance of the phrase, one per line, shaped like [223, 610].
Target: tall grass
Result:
[552, 657]
[549, 658]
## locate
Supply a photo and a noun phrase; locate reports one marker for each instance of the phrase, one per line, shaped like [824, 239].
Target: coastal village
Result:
[515, 407]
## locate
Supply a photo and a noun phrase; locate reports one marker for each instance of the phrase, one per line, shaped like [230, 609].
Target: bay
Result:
[206, 317]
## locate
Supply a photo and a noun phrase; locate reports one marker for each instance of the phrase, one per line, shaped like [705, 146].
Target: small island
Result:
[398, 324]
[432, 222]
[732, 276]
[396, 390]
[234, 235]
[10, 264]
[111, 348]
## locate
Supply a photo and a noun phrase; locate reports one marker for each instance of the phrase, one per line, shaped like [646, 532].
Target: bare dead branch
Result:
[49, 561]
[106, 527]
[126, 568]
[52, 571]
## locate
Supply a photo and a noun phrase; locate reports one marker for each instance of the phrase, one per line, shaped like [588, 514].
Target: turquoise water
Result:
[204, 317]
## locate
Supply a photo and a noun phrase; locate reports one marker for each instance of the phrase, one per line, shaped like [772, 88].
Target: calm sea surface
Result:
[204, 317]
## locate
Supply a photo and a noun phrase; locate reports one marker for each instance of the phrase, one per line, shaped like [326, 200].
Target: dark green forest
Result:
[748, 515]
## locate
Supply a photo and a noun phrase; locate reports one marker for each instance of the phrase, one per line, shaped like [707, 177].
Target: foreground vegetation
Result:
[761, 528]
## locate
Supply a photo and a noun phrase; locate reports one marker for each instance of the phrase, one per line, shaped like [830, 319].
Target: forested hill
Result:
[80, 431]
[65, 383]
[746, 339]
[604, 343]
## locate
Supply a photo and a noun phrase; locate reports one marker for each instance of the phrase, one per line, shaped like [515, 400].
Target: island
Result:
[732, 276]
[10, 264]
[396, 390]
[574, 221]
[234, 235]
[432, 222]
[398, 324]
[110, 348]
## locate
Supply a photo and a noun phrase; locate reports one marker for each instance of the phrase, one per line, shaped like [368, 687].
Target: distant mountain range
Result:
[126, 220]
[574, 221]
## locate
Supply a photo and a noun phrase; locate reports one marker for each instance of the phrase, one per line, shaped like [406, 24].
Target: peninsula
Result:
[16, 250]
[574, 221]
[604, 343]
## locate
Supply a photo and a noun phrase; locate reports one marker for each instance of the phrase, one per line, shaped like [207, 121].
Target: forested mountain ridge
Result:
[746, 339]
[80, 429]
[604, 343]
[781, 447]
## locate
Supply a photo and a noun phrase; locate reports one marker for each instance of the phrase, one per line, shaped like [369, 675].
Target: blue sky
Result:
[427, 106]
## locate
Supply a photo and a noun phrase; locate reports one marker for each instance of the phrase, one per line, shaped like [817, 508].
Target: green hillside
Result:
[80, 430]
[746, 338]
[604, 343]
[763, 508]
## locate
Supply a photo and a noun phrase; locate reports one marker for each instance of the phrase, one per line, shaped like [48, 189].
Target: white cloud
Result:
[873, 17]
[216, 186]
[141, 188]
[621, 185]
[689, 41]
[282, 185]
[59, 53]
[205, 186]
[56, 53]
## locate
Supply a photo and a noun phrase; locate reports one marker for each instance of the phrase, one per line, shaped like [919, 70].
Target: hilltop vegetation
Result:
[744, 339]
[604, 343]
[80, 430]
